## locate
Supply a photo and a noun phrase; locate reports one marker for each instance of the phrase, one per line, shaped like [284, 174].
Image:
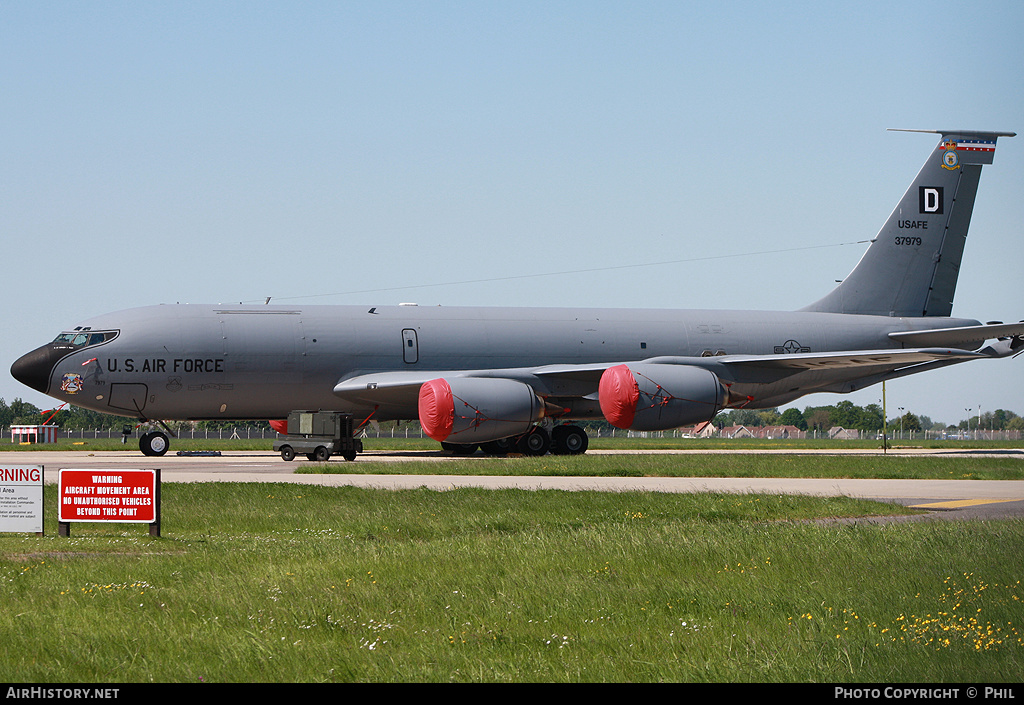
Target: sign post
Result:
[118, 496]
[21, 498]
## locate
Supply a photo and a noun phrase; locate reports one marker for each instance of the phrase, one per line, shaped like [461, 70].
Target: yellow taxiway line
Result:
[960, 503]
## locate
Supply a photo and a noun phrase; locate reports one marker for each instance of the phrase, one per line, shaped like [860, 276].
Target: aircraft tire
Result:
[569, 440]
[535, 442]
[499, 448]
[287, 453]
[154, 443]
[459, 448]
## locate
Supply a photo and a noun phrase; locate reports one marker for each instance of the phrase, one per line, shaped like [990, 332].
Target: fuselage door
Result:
[130, 397]
[410, 346]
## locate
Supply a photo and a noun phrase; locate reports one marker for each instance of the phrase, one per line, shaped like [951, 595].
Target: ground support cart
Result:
[319, 435]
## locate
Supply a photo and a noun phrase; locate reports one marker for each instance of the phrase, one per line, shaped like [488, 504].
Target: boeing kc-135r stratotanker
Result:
[513, 378]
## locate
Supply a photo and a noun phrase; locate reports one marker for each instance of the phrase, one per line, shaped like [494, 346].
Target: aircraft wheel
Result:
[459, 448]
[534, 442]
[569, 440]
[321, 454]
[498, 448]
[154, 443]
[287, 453]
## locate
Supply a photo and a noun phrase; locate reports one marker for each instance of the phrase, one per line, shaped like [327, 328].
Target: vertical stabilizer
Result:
[911, 267]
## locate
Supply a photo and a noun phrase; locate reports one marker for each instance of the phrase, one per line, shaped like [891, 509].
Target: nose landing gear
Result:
[154, 443]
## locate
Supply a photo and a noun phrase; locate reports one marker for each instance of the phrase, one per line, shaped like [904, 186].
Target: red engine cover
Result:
[618, 395]
[437, 409]
[656, 397]
[477, 410]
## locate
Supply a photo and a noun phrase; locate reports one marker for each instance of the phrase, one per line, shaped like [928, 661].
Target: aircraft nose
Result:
[33, 369]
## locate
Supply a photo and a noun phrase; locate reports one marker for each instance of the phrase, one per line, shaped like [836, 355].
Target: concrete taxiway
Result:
[946, 499]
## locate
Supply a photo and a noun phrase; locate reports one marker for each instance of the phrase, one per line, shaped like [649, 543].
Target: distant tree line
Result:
[18, 411]
[72, 417]
[812, 418]
[863, 418]
[998, 420]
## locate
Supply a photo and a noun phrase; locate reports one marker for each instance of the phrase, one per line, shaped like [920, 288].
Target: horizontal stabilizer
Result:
[863, 358]
[970, 146]
[958, 336]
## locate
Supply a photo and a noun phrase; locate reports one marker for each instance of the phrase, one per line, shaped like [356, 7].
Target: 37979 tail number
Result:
[908, 241]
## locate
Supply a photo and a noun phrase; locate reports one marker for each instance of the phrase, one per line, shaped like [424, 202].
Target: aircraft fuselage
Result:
[260, 362]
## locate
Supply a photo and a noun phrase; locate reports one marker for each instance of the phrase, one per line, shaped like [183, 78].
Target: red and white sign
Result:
[21, 498]
[108, 495]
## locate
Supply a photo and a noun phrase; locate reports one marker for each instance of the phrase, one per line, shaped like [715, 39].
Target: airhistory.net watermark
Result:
[42, 693]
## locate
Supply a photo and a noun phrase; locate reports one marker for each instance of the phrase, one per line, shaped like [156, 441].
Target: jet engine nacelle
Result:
[653, 397]
[477, 409]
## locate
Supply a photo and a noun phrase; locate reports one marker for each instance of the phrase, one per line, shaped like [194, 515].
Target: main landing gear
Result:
[563, 440]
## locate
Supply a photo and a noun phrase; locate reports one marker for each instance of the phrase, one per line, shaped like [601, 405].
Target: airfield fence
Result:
[413, 430]
[229, 433]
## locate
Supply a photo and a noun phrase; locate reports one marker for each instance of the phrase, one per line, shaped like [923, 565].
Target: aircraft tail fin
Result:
[911, 267]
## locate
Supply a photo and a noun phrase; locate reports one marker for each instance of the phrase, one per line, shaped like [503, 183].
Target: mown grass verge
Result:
[289, 583]
[700, 465]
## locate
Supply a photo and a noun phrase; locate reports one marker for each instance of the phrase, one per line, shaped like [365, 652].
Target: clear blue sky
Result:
[333, 152]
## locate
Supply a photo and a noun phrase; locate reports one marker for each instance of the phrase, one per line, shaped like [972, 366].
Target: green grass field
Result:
[696, 465]
[288, 583]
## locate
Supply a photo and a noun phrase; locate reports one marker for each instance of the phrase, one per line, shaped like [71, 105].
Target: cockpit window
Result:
[85, 338]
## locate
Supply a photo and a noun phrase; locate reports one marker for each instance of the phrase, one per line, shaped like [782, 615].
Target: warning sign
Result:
[21, 498]
[108, 495]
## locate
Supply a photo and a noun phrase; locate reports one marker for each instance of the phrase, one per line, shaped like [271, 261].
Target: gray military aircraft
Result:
[513, 378]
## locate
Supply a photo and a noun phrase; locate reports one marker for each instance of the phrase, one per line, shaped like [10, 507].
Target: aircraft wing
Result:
[472, 406]
[811, 369]
[763, 381]
[385, 388]
[402, 388]
[581, 380]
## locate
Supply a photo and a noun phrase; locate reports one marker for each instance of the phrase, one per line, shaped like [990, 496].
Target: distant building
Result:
[780, 432]
[843, 434]
[705, 430]
[25, 433]
[736, 432]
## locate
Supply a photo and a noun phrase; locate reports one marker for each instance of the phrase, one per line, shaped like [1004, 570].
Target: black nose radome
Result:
[33, 369]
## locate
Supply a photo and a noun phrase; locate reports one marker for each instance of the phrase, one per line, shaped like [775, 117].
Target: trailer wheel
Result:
[349, 455]
[287, 453]
[321, 454]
